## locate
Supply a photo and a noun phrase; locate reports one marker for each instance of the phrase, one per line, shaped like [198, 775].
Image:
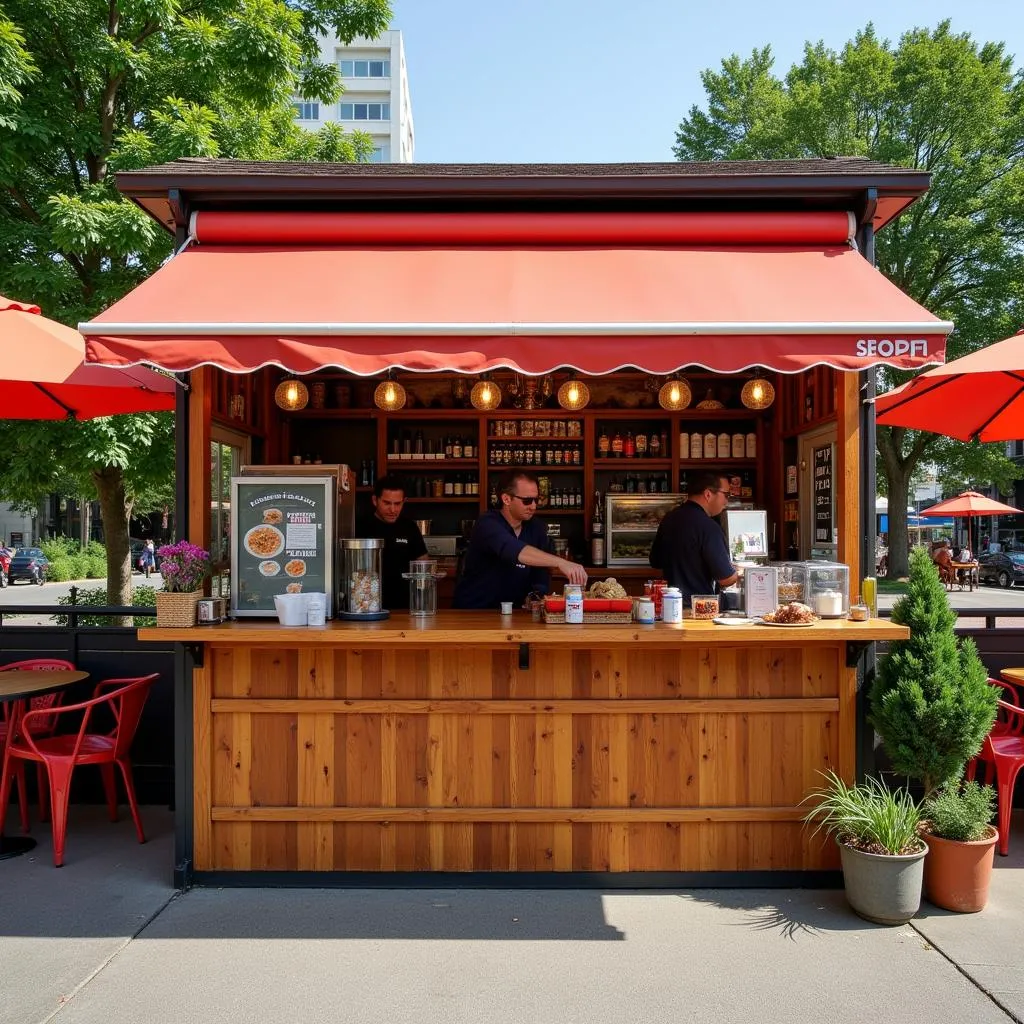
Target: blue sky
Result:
[571, 80]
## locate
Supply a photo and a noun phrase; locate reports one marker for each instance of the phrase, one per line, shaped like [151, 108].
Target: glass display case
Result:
[631, 521]
[823, 586]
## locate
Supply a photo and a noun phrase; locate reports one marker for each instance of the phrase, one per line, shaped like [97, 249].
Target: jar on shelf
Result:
[738, 446]
[710, 445]
[724, 445]
[696, 445]
[751, 445]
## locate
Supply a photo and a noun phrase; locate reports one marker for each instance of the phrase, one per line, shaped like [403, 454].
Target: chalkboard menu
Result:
[824, 508]
[282, 540]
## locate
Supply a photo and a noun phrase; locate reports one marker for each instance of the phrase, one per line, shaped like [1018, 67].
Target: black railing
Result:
[75, 611]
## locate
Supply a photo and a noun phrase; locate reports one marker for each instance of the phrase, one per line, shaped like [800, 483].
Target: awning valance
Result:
[531, 292]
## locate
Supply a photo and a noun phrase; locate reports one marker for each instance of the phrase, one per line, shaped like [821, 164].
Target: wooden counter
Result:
[476, 742]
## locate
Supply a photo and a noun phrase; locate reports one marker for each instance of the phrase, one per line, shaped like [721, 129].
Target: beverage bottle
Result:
[458, 488]
[630, 484]
[617, 445]
[597, 532]
[418, 443]
[448, 446]
[604, 444]
[493, 499]
[655, 446]
[684, 485]
[449, 488]
[869, 595]
[468, 448]
[406, 443]
[456, 447]
[641, 446]
[664, 446]
[629, 446]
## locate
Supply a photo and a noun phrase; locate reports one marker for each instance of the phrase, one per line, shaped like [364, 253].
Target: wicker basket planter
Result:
[177, 610]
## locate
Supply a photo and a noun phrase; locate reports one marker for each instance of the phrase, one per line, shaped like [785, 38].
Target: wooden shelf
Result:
[560, 511]
[472, 500]
[717, 463]
[538, 470]
[422, 465]
[606, 464]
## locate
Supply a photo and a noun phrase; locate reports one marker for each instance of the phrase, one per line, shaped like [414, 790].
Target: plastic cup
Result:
[506, 607]
[869, 595]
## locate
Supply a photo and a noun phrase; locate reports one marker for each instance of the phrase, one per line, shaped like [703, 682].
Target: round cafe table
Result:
[1012, 675]
[18, 686]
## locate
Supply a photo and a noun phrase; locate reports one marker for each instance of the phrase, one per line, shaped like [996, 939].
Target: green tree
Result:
[937, 101]
[931, 702]
[87, 89]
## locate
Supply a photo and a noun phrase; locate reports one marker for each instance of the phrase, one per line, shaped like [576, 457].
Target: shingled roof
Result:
[167, 190]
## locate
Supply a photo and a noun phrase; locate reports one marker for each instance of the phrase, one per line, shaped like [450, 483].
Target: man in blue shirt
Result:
[507, 557]
[689, 547]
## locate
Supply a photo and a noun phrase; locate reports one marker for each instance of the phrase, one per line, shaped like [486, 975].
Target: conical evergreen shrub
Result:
[931, 703]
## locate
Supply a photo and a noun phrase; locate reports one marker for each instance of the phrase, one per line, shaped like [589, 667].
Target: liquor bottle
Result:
[597, 532]
[363, 481]
[664, 446]
[448, 446]
[629, 446]
[395, 446]
[617, 445]
[406, 443]
[372, 464]
[604, 444]
[449, 488]
[468, 448]
[630, 484]
[456, 447]
[458, 487]
[577, 457]
[654, 447]
[493, 499]
[641, 485]
[417, 446]
[684, 485]
[641, 446]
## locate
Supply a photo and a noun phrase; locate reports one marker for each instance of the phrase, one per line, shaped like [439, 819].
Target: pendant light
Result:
[291, 395]
[674, 394]
[486, 395]
[573, 395]
[389, 395]
[757, 393]
[710, 402]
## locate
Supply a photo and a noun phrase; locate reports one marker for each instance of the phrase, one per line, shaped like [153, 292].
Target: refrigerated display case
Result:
[631, 521]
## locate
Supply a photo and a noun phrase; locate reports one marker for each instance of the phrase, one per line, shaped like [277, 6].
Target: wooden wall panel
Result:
[443, 759]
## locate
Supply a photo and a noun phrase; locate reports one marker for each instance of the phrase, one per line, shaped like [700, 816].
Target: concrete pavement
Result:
[105, 940]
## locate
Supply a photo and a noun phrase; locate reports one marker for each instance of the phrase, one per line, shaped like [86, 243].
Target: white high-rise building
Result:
[376, 98]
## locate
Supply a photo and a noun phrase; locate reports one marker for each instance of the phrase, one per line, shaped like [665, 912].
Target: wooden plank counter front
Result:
[445, 744]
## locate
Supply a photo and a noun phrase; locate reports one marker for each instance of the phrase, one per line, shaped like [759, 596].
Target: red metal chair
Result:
[1003, 755]
[60, 754]
[44, 727]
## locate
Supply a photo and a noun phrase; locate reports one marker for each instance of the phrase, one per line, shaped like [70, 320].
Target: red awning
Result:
[532, 292]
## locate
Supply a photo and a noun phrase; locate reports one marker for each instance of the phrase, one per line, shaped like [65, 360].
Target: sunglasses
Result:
[527, 500]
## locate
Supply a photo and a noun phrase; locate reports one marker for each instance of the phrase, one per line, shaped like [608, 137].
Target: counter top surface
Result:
[490, 628]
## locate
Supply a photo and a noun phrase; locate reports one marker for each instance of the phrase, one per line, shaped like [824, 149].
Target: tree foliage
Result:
[937, 101]
[931, 702]
[87, 89]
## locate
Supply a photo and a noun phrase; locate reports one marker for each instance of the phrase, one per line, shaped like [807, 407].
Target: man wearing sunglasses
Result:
[689, 547]
[508, 556]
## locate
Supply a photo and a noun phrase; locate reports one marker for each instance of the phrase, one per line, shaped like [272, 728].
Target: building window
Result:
[365, 68]
[307, 111]
[381, 155]
[366, 111]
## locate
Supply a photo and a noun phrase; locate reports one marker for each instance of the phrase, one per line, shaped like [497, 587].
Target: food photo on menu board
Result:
[283, 540]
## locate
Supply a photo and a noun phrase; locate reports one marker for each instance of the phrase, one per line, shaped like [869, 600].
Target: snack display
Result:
[793, 614]
[364, 592]
[274, 516]
[270, 568]
[607, 588]
[704, 606]
[295, 567]
[791, 591]
[264, 541]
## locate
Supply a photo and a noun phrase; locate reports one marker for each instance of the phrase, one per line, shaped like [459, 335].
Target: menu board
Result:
[824, 509]
[282, 540]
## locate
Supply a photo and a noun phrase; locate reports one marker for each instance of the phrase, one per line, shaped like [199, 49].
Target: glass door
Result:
[228, 453]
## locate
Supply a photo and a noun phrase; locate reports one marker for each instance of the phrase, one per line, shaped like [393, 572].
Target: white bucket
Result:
[291, 609]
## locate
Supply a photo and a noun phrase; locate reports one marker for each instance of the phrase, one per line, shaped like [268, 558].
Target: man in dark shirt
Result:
[403, 541]
[508, 555]
[689, 547]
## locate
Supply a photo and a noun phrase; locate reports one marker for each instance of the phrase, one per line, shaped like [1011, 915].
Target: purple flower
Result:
[183, 566]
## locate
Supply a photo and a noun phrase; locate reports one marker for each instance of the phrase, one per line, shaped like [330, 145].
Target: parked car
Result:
[1003, 568]
[28, 564]
[5, 566]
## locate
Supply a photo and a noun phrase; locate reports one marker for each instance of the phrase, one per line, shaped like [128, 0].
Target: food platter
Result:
[734, 621]
[783, 625]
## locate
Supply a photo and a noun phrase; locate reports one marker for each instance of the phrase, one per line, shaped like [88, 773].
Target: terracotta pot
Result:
[957, 875]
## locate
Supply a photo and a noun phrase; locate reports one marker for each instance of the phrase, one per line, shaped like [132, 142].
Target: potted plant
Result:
[962, 846]
[931, 702]
[183, 567]
[882, 852]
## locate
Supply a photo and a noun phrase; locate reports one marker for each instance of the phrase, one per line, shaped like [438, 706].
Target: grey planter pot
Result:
[882, 888]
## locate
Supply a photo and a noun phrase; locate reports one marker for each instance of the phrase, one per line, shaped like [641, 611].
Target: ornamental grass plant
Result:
[931, 703]
[867, 816]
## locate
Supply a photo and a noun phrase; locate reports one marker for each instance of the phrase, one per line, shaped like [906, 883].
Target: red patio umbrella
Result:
[89, 391]
[970, 503]
[34, 348]
[977, 397]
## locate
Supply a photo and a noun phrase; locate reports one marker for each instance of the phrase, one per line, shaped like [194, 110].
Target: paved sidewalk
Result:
[105, 940]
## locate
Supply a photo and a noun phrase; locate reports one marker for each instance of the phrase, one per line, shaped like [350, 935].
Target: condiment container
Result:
[696, 445]
[573, 595]
[738, 446]
[724, 445]
[672, 605]
[859, 612]
[684, 444]
[751, 445]
[828, 604]
[644, 611]
[710, 445]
